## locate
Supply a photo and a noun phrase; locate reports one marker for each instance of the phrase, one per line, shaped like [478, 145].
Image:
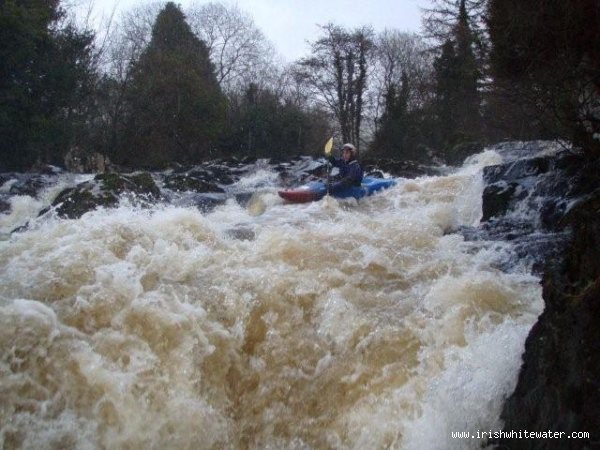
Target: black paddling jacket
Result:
[351, 173]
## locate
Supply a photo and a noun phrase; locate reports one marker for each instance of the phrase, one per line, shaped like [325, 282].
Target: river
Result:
[330, 325]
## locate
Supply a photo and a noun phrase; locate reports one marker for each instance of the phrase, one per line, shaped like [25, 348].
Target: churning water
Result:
[337, 325]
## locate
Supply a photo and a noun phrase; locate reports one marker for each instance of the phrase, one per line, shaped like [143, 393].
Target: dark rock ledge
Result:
[104, 190]
[558, 388]
[207, 185]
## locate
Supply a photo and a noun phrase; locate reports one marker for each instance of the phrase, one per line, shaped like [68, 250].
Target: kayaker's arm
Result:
[336, 162]
[352, 175]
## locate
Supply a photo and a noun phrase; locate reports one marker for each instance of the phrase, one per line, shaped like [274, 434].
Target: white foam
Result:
[332, 324]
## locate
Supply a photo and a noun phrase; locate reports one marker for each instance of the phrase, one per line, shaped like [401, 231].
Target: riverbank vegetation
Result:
[161, 85]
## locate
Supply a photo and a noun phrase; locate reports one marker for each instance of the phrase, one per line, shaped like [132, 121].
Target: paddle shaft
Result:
[328, 174]
[328, 147]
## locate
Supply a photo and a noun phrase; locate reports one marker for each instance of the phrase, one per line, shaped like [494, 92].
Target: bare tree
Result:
[124, 41]
[337, 73]
[396, 53]
[238, 49]
[131, 36]
[439, 20]
[292, 89]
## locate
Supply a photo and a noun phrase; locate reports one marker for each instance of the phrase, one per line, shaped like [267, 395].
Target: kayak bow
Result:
[316, 190]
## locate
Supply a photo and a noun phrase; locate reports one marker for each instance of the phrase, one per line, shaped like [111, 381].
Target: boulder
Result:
[105, 191]
[4, 206]
[403, 169]
[195, 182]
[498, 199]
[28, 184]
[558, 387]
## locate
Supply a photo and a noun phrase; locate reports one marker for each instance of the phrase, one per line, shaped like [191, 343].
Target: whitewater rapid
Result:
[330, 325]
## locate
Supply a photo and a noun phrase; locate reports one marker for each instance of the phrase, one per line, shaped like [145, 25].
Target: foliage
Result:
[399, 55]
[337, 71]
[545, 59]
[238, 49]
[457, 99]
[45, 78]
[169, 92]
[175, 108]
[393, 123]
[440, 19]
[262, 125]
[420, 121]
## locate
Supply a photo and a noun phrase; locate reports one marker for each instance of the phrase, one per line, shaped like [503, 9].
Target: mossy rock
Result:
[145, 184]
[184, 183]
[140, 183]
[74, 202]
[104, 191]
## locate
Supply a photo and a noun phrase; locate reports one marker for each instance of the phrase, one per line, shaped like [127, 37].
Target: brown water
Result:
[333, 325]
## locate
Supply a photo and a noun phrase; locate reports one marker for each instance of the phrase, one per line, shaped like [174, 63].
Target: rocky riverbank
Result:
[558, 388]
[203, 186]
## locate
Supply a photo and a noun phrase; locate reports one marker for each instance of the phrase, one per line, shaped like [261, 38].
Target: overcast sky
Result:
[288, 24]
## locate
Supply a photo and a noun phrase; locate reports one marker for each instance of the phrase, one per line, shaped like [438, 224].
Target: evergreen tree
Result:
[440, 19]
[457, 98]
[468, 75]
[45, 76]
[446, 74]
[392, 136]
[545, 60]
[263, 125]
[175, 106]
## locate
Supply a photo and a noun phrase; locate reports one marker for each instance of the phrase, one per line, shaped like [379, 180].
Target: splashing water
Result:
[328, 325]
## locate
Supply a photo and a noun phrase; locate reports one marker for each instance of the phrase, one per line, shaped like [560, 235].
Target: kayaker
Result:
[351, 173]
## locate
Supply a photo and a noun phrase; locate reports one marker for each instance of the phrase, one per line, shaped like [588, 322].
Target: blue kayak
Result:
[316, 190]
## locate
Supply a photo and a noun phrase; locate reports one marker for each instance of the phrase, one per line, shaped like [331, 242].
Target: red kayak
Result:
[304, 194]
[316, 190]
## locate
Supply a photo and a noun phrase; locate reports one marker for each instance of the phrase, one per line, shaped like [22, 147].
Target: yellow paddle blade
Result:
[329, 146]
[256, 205]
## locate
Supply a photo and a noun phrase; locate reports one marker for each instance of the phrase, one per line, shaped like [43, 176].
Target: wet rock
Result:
[104, 191]
[4, 206]
[507, 185]
[243, 198]
[208, 177]
[525, 200]
[45, 169]
[403, 169]
[28, 184]
[549, 208]
[207, 203]
[191, 182]
[241, 234]
[249, 160]
[4, 177]
[558, 387]
[301, 169]
[139, 183]
[221, 174]
[544, 186]
[517, 170]
[74, 202]
[498, 199]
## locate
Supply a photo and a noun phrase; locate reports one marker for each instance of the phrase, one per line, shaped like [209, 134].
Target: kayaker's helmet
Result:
[351, 148]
